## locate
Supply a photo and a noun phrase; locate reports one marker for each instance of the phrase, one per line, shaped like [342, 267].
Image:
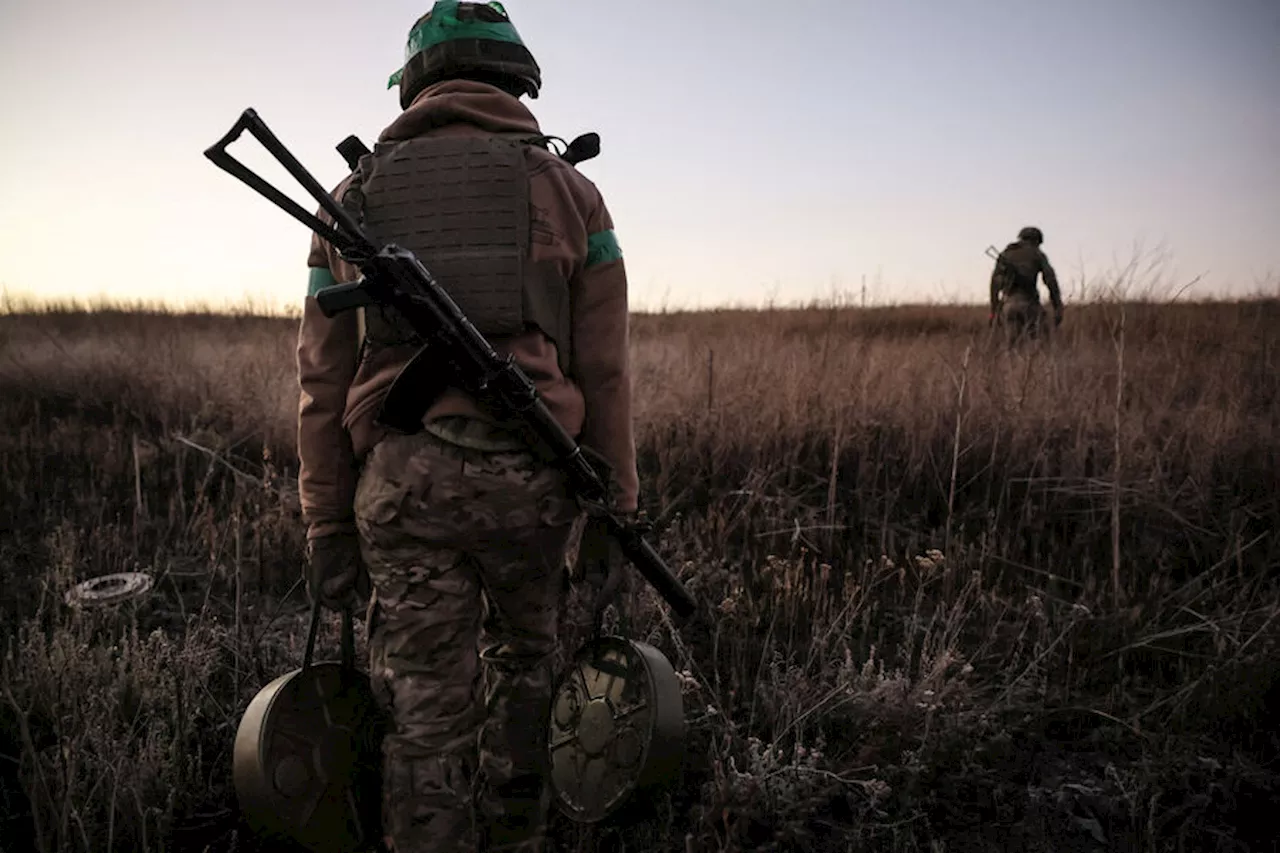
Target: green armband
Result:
[602, 247]
[319, 279]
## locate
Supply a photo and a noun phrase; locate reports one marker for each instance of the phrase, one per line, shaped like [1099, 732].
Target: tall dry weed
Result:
[908, 536]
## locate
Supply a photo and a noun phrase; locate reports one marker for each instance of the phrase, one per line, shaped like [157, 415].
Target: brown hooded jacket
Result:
[571, 228]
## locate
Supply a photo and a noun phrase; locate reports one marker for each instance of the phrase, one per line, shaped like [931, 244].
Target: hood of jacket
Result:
[452, 102]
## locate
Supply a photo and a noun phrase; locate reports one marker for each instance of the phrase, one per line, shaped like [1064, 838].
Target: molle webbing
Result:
[461, 204]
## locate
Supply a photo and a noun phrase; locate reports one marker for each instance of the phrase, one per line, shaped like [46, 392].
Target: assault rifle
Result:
[456, 354]
[998, 256]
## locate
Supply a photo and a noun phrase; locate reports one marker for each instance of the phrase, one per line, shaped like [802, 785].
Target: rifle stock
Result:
[456, 352]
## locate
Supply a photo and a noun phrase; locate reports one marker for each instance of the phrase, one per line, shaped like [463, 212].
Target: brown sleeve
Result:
[327, 354]
[601, 358]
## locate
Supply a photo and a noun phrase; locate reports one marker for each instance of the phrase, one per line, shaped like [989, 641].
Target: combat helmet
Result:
[472, 41]
[1031, 234]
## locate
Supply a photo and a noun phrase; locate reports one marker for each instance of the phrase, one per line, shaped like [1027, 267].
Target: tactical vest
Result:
[461, 204]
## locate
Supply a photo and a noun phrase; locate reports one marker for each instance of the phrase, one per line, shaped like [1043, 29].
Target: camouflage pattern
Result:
[1022, 316]
[457, 540]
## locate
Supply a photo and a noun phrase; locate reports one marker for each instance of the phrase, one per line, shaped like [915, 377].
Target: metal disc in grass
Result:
[109, 589]
[307, 760]
[616, 727]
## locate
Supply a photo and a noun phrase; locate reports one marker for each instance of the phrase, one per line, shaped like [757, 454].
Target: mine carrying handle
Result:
[393, 276]
[348, 641]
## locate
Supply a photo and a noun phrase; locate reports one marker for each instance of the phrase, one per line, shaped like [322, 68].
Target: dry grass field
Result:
[968, 598]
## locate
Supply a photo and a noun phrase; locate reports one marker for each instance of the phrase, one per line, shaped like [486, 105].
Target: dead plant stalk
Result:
[955, 450]
[1116, 466]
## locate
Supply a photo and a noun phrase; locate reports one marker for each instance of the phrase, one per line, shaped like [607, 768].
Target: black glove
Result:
[600, 563]
[335, 573]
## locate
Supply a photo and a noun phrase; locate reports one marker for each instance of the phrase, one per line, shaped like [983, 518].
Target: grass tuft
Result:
[965, 597]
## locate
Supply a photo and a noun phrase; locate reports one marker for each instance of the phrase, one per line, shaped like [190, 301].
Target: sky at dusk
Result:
[751, 150]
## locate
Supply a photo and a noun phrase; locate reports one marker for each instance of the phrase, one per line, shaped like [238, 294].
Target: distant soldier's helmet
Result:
[1031, 234]
[471, 41]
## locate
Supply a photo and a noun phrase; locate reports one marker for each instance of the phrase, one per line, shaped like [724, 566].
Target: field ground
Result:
[968, 599]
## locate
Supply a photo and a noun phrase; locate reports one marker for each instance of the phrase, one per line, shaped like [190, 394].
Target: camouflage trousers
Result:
[466, 552]
[1022, 317]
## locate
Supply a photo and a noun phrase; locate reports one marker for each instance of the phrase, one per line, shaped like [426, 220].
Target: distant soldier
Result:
[460, 526]
[1015, 297]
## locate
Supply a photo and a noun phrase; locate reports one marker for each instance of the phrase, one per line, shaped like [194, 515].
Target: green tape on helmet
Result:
[442, 25]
